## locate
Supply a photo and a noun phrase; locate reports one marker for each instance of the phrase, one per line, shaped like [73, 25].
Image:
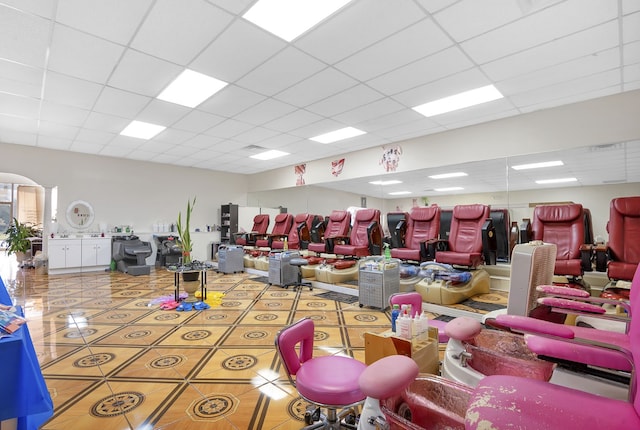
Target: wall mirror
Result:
[80, 214]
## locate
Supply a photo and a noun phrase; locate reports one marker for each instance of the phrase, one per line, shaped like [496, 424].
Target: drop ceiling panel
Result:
[357, 26]
[481, 17]
[115, 20]
[317, 87]
[293, 120]
[230, 101]
[631, 28]
[18, 105]
[345, 101]
[439, 65]
[283, 70]
[86, 147]
[67, 115]
[162, 113]
[143, 74]
[106, 123]
[237, 51]
[525, 33]
[198, 121]
[97, 137]
[584, 43]
[173, 135]
[19, 79]
[25, 37]
[228, 128]
[265, 111]
[424, 37]
[70, 91]
[83, 56]
[178, 31]
[255, 135]
[373, 110]
[119, 102]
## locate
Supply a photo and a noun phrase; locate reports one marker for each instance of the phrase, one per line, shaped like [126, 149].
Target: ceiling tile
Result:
[25, 37]
[631, 28]
[230, 101]
[62, 114]
[202, 141]
[54, 142]
[228, 128]
[81, 55]
[317, 87]
[255, 135]
[43, 8]
[97, 137]
[345, 101]
[115, 20]
[372, 110]
[293, 120]
[424, 37]
[17, 137]
[357, 26]
[484, 17]
[10, 124]
[162, 113]
[121, 103]
[588, 42]
[174, 136]
[283, 70]
[86, 147]
[133, 73]
[178, 31]
[198, 121]
[559, 20]
[106, 123]
[19, 79]
[18, 105]
[265, 111]
[433, 6]
[316, 128]
[48, 128]
[237, 51]
[444, 63]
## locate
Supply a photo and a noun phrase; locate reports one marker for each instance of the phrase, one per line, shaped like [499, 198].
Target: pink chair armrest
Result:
[564, 291]
[571, 305]
[533, 325]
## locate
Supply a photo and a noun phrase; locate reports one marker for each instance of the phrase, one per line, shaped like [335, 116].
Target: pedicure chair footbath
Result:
[130, 254]
[397, 398]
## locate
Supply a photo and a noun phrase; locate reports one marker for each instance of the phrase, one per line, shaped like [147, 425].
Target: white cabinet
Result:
[69, 255]
[96, 252]
[65, 253]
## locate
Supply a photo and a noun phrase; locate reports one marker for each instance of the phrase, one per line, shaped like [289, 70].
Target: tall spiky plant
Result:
[185, 234]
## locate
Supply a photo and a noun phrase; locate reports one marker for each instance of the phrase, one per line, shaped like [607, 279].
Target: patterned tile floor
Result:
[113, 361]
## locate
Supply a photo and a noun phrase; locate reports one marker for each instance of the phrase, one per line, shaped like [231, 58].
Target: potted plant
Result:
[185, 238]
[17, 240]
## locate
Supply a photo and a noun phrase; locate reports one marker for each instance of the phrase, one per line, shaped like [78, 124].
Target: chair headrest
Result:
[338, 216]
[469, 211]
[559, 213]
[300, 218]
[627, 206]
[260, 217]
[424, 213]
[282, 217]
[367, 214]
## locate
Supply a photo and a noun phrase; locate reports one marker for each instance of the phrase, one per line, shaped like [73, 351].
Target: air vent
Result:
[606, 147]
[254, 148]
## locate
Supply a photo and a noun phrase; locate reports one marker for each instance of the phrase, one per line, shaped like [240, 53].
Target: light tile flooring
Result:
[112, 361]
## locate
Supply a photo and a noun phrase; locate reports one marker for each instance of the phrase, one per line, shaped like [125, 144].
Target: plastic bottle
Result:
[404, 326]
[285, 245]
[423, 323]
[387, 252]
[395, 313]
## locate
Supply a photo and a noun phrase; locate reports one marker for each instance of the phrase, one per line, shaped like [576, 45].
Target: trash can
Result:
[41, 265]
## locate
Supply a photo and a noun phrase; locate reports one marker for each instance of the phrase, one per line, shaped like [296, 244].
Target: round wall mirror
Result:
[80, 214]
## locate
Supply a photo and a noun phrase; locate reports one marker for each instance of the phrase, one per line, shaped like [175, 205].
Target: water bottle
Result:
[395, 313]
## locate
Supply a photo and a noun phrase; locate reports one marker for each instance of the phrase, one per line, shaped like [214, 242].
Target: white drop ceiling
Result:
[74, 73]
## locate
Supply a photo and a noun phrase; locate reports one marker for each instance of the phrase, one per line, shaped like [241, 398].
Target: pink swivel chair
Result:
[329, 382]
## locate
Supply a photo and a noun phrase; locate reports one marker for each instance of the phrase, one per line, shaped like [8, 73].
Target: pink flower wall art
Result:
[336, 167]
[300, 170]
[390, 157]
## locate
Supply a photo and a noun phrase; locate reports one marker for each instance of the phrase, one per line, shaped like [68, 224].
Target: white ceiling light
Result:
[142, 130]
[389, 182]
[448, 189]
[288, 19]
[191, 88]
[459, 101]
[448, 175]
[399, 193]
[538, 165]
[555, 181]
[341, 134]
[269, 155]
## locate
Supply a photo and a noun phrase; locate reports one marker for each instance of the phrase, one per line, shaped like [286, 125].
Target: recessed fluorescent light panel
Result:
[269, 155]
[341, 134]
[389, 182]
[448, 175]
[538, 165]
[399, 193]
[555, 181]
[448, 189]
[191, 88]
[459, 101]
[142, 130]
[288, 19]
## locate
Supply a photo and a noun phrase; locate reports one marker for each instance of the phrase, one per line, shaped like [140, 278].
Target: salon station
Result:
[415, 214]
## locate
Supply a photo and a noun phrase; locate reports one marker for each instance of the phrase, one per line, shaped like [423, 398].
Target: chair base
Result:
[346, 419]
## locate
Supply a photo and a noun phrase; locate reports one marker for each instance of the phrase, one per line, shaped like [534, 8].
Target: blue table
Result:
[25, 395]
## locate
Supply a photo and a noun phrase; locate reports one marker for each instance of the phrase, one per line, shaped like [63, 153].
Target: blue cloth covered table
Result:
[24, 392]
